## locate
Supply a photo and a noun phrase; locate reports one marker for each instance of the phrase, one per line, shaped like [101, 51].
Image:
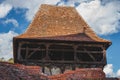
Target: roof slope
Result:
[53, 21]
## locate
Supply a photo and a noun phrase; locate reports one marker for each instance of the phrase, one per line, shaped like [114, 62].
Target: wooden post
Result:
[104, 55]
[62, 67]
[19, 51]
[75, 52]
[43, 68]
[47, 52]
[75, 56]
[26, 56]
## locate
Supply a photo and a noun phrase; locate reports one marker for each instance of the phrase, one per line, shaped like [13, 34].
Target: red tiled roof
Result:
[10, 71]
[56, 22]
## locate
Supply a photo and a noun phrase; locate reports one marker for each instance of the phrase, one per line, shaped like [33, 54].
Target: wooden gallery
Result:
[59, 37]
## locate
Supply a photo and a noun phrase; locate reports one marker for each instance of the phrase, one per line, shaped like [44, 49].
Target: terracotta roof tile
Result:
[51, 21]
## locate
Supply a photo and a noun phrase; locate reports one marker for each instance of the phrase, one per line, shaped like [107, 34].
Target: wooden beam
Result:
[80, 51]
[62, 43]
[93, 52]
[38, 49]
[91, 56]
[63, 62]
[90, 45]
[30, 54]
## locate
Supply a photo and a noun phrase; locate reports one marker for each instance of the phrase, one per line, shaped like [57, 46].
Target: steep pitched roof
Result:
[54, 21]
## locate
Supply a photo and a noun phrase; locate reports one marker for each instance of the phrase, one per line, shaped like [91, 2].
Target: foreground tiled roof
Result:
[10, 71]
[21, 72]
[51, 21]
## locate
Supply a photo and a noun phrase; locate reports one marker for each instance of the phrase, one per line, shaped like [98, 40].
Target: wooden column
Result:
[47, 52]
[19, 51]
[104, 55]
[75, 52]
[62, 68]
[75, 56]
[43, 68]
[26, 56]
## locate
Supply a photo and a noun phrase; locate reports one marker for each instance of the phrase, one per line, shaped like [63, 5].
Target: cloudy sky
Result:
[102, 15]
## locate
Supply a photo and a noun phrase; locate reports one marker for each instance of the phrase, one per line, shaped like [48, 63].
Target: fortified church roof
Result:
[59, 23]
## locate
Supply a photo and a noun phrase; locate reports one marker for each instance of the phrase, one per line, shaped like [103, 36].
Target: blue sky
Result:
[102, 15]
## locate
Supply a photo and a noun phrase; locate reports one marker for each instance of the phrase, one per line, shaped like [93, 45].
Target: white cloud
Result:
[72, 2]
[118, 73]
[103, 19]
[4, 10]
[13, 21]
[31, 6]
[108, 69]
[6, 44]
